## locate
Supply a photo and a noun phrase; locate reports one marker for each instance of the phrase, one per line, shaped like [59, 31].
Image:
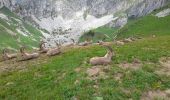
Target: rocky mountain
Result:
[77, 16]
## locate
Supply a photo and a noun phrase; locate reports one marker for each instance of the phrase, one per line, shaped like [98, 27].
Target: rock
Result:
[167, 92]
[155, 95]
[78, 15]
[118, 23]
[76, 82]
[77, 70]
[9, 83]
[145, 7]
[133, 65]
[94, 71]
[118, 76]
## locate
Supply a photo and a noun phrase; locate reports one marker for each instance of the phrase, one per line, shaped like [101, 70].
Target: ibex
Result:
[103, 43]
[42, 48]
[119, 43]
[54, 51]
[7, 56]
[71, 44]
[27, 56]
[85, 43]
[107, 59]
[127, 40]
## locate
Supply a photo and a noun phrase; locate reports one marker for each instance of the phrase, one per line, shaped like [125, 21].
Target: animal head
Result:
[5, 51]
[22, 49]
[110, 52]
[100, 42]
[109, 48]
[58, 45]
[73, 40]
[42, 43]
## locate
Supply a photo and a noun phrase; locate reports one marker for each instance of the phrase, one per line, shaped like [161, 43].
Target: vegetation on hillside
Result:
[10, 37]
[136, 69]
[101, 33]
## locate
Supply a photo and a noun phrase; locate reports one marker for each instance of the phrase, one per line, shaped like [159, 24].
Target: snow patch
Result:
[163, 13]
[21, 32]
[3, 16]
[78, 26]
[44, 34]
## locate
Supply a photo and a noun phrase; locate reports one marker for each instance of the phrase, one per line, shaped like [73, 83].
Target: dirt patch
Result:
[136, 64]
[118, 76]
[77, 70]
[94, 71]
[165, 66]
[13, 65]
[165, 62]
[155, 95]
[97, 72]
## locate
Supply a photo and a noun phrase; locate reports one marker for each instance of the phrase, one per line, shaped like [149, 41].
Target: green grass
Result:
[7, 12]
[49, 83]
[10, 40]
[146, 26]
[53, 78]
[101, 33]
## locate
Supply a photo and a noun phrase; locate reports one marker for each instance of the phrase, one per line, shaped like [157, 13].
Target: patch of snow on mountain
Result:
[3, 16]
[21, 32]
[78, 26]
[163, 13]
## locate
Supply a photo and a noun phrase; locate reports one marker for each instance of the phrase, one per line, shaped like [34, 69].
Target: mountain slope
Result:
[79, 15]
[16, 32]
[140, 70]
[147, 25]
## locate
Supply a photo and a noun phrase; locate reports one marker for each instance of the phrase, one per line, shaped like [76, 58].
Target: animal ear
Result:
[4, 50]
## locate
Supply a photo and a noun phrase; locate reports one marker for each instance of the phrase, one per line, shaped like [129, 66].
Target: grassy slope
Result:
[54, 78]
[148, 25]
[46, 81]
[99, 34]
[8, 40]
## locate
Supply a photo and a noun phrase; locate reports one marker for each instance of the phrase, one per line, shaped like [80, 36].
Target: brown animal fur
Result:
[7, 56]
[107, 59]
[85, 43]
[54, 51]
[27, 56]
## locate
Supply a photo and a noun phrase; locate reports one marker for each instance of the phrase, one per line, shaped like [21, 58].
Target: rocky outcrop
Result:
[145, 7]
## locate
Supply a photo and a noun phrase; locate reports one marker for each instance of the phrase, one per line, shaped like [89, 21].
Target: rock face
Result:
[145, 7]
[80, 15]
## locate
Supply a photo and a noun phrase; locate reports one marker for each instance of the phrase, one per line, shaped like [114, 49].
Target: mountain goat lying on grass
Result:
[42, 48]
[7, 56]
[85, 43]
[27, 56]
[107, 59]
[54, 51]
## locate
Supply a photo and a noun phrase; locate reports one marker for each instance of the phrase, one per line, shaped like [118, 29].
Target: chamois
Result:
[27, 56]
[103, 60]
[7, 56]
[54, 51]
[42, 48]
